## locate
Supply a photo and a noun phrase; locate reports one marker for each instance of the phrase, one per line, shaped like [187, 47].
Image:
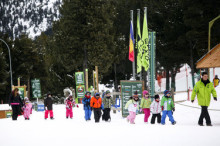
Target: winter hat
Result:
[107, 92]
[135, 93]
[156, 97]
[49, 94]
[26, 100]
[87, 95]
[97, 94]
[145, 92]
[166, 92]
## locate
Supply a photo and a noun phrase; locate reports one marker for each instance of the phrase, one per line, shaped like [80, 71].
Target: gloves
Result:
[192, 101]
[77, 106]
[162, 108]
[45, 108]
[173, 109]
[215, 98]
[141, 110]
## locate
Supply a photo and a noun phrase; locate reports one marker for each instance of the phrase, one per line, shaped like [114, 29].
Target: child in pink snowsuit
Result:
[132, 105]
[69, 107]
[27, 108]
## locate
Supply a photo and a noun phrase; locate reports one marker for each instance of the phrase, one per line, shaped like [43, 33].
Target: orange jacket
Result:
[96, 103]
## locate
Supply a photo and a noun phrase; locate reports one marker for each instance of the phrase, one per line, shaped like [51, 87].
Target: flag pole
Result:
[133, 63]
[138, 17]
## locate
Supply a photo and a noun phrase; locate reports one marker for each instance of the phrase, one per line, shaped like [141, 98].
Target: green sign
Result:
[152, 70]
[79, 77]
[80, 91]
[36, 88]
[21, 92]
[127, 90]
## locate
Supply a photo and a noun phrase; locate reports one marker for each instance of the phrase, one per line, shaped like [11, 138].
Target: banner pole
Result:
[133, 63]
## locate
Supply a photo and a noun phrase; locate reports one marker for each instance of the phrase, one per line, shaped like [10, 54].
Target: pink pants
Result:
[46, 114]
[131, 117]
[146, 114]
[69, 112]
[27, 113]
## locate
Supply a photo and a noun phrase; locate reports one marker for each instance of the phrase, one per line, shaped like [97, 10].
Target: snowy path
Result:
[77, 131]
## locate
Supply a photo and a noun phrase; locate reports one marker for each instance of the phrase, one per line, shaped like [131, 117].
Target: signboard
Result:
[80, 91]
[21, 92]
[79, 77]
[127, 90]
[36, 88]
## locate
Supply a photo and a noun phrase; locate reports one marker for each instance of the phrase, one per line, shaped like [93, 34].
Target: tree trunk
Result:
[85, 64]
[192, 64]
[167, 79]
[29, 87]
[173, 78]
[116, 81]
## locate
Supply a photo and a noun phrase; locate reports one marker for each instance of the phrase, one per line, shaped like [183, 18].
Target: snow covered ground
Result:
[77, 131]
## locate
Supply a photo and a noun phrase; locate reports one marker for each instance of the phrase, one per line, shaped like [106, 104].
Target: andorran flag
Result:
[131, 43]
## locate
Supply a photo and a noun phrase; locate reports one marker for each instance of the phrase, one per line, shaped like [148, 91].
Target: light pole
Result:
[9, 52]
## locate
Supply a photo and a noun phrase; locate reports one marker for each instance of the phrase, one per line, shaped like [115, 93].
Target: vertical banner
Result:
[79, 77]
[145, 56]
[36, 88]
[152, 70]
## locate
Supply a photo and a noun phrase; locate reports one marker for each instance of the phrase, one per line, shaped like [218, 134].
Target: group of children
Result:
[166, 106]
[97, 104]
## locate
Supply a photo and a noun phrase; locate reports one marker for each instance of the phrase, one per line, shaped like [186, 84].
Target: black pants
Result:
[15, 111]
[97, 114]
[154, 116]
[106, 115]
[204, 114]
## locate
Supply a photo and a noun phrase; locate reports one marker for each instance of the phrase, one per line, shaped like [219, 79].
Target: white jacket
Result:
[132, 106]
[155, 107]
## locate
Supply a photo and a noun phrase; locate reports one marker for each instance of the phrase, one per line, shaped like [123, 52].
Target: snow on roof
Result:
[4, 107]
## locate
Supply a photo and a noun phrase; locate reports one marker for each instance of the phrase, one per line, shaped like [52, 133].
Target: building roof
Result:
[211, 59]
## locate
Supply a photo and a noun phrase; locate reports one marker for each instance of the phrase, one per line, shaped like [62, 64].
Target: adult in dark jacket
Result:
[16, 103]
[86, 103]
[48, 104]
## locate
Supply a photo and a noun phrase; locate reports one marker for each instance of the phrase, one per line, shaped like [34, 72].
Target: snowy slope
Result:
[77, 131]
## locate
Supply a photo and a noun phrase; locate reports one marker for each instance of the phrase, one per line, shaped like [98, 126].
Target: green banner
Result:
[145, 57]
[36, 88]
[139, 49]
[80, 91]
[79, 77]
[21, 92]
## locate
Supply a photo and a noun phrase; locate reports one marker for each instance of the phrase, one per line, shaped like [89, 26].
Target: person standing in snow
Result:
[96, 103]
[16, 103]
[132, 106]
[108, 102]
[216, 81]
[48, 104]
[27, 108]
[167, 106]
[86, 102]
[156, 110]
[203, 89]
[69, 106]
[145, 105]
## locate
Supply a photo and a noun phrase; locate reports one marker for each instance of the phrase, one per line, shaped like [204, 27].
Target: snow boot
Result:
[174, 123]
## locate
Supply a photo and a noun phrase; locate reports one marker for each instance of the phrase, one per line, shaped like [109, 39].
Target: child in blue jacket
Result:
[87, 108]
